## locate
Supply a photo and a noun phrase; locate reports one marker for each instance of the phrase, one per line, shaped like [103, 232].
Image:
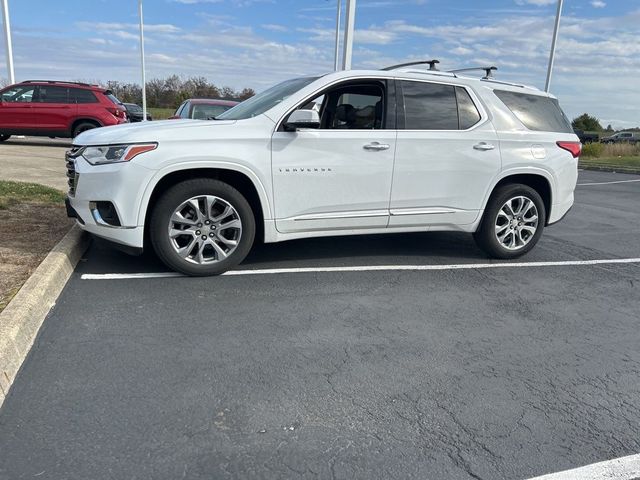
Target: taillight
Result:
[116, 112]
[574, 148]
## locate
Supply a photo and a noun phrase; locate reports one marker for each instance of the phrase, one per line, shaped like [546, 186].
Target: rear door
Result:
[16, 108]
[53, 108]
[447, 153]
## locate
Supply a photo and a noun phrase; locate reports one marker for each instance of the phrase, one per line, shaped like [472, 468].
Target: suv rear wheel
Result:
[83, 127]
[512, 223]
[202, 227]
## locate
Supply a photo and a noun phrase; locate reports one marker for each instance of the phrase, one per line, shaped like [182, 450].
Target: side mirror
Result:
[302, 119]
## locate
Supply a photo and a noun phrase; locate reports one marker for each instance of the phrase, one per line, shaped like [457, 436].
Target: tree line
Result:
[172, 91]
[589, 123]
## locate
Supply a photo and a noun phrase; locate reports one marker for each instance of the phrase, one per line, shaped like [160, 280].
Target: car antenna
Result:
[431, 63]
[487, 75]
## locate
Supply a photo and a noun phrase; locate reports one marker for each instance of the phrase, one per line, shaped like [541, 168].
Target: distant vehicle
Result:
[395, 150]
[134, 112]
[622, 137]
[586, 137]
[57, 109]
[202, 108]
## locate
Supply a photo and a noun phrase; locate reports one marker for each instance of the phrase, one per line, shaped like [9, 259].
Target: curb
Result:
[21, 320]
[598, 168]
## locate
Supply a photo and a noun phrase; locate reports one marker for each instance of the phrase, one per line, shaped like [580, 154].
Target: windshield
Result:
[266, 100]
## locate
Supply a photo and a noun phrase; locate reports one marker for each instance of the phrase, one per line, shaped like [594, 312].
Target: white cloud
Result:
[598, 4]
[274, 27]
[538, 3]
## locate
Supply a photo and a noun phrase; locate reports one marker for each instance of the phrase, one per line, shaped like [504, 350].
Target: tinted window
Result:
[429, 106]
[468, 114]
[113, 98]
[18, 94]
[202, 111]
[132, 107]
[53, 94]
[78, 95]
[536, 112]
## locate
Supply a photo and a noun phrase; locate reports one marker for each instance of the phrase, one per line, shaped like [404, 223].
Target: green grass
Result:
[12, 193]
[161, 113]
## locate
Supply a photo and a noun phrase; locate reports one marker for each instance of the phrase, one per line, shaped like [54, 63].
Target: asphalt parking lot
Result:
[457, 373]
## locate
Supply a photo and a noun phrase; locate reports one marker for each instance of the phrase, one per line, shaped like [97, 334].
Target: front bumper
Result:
[120, 184]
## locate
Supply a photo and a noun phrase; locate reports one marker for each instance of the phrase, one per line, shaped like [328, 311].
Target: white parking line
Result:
[624, 468]
[607, 183]
[369, 268]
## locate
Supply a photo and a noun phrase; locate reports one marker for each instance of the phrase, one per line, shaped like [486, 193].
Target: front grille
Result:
[72, 175]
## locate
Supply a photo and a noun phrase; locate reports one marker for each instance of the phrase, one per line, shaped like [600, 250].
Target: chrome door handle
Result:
[483, 146]
[376, 146]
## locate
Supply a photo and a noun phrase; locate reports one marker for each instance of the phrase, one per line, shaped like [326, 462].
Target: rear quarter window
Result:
[536, 112]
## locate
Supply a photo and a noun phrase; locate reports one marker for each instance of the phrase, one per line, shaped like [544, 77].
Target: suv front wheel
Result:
[512, 223]
[202, 227]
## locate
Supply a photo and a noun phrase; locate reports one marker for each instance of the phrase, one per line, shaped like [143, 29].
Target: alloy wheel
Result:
[516, 223]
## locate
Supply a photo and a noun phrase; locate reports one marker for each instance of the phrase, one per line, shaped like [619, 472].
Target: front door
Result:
[16, 112]
[446, 156]
[339, 175]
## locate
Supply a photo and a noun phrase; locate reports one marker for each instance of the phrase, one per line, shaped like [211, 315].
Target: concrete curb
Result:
[598, 168]
[21, 320]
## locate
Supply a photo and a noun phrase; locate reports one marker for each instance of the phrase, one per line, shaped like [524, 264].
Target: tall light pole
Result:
[552, 54]
[336, 63]
[350, 21]
[7, 38]
[144, 81]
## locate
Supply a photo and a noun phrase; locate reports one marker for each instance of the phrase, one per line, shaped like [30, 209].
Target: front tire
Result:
[202, 227]
[512, 223]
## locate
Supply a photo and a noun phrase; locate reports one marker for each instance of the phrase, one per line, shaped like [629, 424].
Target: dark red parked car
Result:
[202, 108]
[56, 109]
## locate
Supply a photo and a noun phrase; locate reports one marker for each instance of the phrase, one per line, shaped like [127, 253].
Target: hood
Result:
[154, 131]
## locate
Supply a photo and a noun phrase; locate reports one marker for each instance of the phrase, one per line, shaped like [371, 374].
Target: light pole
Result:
[336, 63]
[348, 34]
[552, 54]
[7, 38]
[144, 82]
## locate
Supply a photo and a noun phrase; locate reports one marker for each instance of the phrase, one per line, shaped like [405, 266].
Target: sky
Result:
[256, 43]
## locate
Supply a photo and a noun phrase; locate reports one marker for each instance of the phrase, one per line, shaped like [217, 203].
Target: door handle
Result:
[376, 146]
[483, 146]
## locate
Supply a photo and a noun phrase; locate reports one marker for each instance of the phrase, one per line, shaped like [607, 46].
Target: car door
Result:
[337, 176]
[53, 109]
[16, 113]
[447, 154]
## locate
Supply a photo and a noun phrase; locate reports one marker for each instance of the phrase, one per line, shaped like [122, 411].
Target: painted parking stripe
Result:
[624, 468]
[370, 268]
[607, 183]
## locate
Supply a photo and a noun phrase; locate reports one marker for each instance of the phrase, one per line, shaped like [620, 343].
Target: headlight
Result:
[115, 153]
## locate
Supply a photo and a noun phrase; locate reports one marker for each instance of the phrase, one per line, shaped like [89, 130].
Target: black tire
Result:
[4, 137]
[83, 127]
[486, 237]
[173, 198]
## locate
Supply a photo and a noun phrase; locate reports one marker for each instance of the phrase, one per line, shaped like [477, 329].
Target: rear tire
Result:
[512, 223]
[4, 137]
[83, 127]
[202, 227]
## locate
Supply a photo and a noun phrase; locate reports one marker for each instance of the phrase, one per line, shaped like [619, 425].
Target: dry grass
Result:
[608, 150]
[32, 221]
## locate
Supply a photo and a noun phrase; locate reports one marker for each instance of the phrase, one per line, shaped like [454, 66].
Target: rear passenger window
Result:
[53, 94]
[468, 114]
[78, 95]
[536, 112]
[429, 106]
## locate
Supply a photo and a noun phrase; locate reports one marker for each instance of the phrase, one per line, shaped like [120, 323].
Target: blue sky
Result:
[254, 43]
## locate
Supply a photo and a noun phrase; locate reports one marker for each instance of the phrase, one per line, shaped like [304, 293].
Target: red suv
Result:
[56, 109]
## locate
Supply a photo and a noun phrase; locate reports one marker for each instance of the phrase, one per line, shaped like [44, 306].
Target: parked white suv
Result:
[352, 152]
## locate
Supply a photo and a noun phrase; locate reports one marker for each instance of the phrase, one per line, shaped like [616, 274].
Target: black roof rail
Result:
[488, 71]
[431, 63]
[59, 81]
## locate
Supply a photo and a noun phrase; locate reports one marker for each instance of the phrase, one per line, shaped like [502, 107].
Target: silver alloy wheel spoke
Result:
[197, 233]
[516, 222]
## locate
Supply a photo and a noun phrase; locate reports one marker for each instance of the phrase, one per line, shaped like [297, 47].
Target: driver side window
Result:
[355, 106]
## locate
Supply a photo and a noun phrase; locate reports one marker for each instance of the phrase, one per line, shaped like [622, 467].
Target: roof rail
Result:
[431, 63]
[59, 81]
[487, 75]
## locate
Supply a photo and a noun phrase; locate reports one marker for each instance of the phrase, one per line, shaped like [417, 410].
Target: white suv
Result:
[351, 152]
